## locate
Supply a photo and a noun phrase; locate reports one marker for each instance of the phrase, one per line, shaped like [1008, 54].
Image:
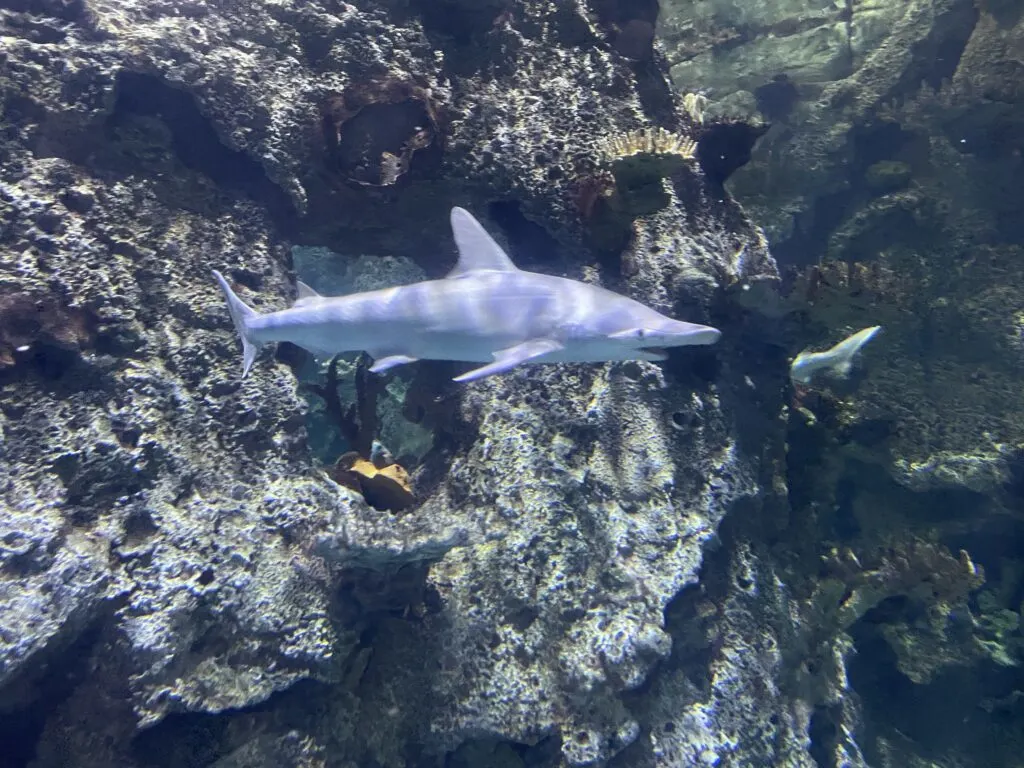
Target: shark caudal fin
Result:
[846, 350]
[241, 314]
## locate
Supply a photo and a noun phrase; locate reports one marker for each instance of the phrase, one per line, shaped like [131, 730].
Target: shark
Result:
[486, 310]
[836, 360]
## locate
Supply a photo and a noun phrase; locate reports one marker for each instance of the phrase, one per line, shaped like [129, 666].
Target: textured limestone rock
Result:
[178, 512]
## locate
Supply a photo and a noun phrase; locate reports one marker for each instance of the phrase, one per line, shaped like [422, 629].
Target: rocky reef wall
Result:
[887, 184]
[180, 581]
[635, 565]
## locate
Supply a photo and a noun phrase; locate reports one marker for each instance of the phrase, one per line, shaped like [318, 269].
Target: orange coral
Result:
[387, 488]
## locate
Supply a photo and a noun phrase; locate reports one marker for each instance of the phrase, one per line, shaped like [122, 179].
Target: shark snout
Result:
[703, 335]
[683, 334]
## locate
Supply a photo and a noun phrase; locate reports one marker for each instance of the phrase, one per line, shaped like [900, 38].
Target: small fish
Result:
[836, 360]
[486, 311]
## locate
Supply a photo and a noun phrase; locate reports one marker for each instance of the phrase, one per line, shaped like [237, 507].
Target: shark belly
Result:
[466, 319]
[332, 326]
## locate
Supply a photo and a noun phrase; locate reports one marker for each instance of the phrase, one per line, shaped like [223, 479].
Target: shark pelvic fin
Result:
[478, 251]
[386, 363]
[509, 358]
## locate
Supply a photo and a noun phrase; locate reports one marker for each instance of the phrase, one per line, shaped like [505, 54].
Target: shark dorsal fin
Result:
[477, 250]
[305, 294]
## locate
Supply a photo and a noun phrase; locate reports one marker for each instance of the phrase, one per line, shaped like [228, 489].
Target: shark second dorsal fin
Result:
[477, 250]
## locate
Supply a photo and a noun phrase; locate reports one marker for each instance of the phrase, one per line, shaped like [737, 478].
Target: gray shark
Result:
[486, 310]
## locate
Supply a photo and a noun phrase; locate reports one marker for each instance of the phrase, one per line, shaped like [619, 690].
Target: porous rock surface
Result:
[170, 550]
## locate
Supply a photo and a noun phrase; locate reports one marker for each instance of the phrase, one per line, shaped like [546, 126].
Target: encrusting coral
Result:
[627, 182]
[373, 129]
[40, 330]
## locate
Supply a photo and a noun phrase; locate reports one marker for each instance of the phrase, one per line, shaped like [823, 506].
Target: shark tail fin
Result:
[241, 314]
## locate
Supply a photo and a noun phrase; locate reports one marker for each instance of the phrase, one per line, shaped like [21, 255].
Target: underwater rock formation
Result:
[180, 573]
[821, 74]
[617, 564]
[602, 565]
[888, 185]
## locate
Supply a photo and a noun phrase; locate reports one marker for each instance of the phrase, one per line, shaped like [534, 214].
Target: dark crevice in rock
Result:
[1006, 12]
[65, 10]
[28, 701]
[529, 244]
[492, 753]
[937, 57]
[992, 542]
[462, 21]
[870, 144]
[964, 710]
[194, 739]
[725, 147]
[630, 30]
[655, 91]
[1013, 487]
[193, 139]
[811, 231]
[822, 734]
[777, 98]
[694, 367]
[690, 618]
[368, 595]
[751, 352]
[846, 527]
[874, 142]
[466, 30]
[629, 25]
[432, 401]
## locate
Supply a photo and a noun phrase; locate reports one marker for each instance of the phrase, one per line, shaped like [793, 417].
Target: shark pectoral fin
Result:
[386, 363]
[506, 359]
[844, 367]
